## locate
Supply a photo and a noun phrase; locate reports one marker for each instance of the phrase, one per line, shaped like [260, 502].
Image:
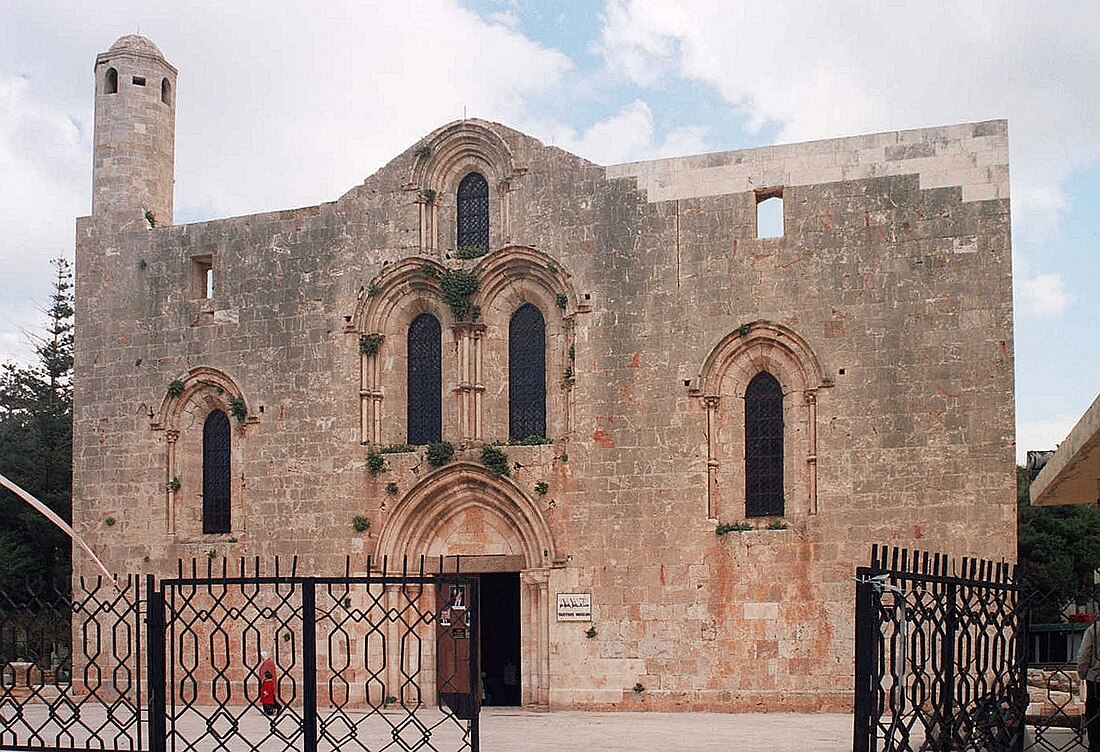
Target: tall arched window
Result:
[526, 373]
[763, 447]
[425, 381]
[216, 474]
[473, 214]
[110, 85]
[165, 91]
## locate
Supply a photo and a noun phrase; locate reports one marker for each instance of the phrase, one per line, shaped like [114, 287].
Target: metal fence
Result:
[947, 659]
[214, 659]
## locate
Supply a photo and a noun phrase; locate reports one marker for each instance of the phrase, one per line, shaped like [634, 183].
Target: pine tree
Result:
[36, 411]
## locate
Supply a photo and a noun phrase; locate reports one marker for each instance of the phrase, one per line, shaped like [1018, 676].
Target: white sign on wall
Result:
[574, 606]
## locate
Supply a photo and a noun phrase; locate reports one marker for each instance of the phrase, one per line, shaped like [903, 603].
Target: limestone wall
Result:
[886, 308]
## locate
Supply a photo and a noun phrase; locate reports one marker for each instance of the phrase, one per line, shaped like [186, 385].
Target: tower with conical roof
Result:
[135, 125]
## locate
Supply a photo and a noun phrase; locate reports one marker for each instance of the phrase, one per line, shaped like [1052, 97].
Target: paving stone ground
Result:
[511, 730]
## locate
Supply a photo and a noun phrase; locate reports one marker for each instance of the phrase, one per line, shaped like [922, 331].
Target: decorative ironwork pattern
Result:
[473, 212]
[362, 662]
[425, 381]
[526, 373]
[763, 446]
[216, 473]
[71, 666]
[940, 659]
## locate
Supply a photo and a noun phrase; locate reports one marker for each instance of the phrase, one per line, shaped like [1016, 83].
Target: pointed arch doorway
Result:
[463, 510]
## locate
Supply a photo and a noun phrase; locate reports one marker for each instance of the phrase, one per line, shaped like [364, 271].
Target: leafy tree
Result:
[1059, 549]
[36, 432]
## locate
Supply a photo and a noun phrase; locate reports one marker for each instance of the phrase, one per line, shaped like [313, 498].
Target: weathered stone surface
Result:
[884, 311]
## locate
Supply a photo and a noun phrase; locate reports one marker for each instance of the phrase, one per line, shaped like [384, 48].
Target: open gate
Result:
[380, 661]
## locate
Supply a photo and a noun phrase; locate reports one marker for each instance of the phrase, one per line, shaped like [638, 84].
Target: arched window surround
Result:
[472, 215]
[726, 374]
[110, 81]
[183, 413]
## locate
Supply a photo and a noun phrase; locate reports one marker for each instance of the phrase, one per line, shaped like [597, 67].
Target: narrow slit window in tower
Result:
[110, 85]
[165, 91]
[202, 277]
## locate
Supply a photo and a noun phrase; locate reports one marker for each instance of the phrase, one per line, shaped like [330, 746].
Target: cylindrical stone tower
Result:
[133, 168]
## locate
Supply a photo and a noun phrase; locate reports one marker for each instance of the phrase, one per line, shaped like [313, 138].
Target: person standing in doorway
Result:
[1088, 668]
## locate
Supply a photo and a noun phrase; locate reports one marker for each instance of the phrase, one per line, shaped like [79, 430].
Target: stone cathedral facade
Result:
[697, 426]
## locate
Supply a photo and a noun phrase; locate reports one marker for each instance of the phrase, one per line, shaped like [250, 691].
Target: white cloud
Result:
[835, 69]
[278, 105]
[628, 135]
[1041, 294]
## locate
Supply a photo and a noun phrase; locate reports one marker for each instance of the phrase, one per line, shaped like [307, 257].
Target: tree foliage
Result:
[1059, 549]
[36, 432]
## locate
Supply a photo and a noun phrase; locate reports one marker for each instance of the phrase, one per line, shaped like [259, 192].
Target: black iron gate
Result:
[941, 660]
[381, 661]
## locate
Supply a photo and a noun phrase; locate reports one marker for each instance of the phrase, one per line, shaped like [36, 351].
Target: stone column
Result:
[712, 460]
[535, 638]
[811, 458]
[171, 436]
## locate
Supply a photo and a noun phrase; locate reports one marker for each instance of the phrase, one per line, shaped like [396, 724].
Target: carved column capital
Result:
[172, 435]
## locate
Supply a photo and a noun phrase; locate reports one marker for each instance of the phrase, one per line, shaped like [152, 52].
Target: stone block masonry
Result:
[883, 312]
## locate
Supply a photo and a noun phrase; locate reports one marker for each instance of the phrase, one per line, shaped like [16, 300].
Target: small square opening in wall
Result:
[202, 277]
[769, 213]
[139, 80]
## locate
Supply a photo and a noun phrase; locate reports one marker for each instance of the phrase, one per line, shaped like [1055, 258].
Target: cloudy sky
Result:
[284, 104]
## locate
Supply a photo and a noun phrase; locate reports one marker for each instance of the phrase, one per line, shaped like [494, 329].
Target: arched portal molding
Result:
[398, 286]
[453, 491]
[219, 386]
[448, 154]
[527, 275]
[762, 346]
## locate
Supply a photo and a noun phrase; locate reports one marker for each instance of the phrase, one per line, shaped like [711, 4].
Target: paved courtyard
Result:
[511, 730]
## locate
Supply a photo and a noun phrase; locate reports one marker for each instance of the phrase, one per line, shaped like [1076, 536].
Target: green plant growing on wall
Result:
[395, 449]
[744, 329]
[440, 453]
[532, 440]
[458, 287]
[777, 525]
[639, 688]
[174, 484]
[175, 388]
[428, 196]
[591, 632]
[390, 700]
[572, 353]
[373, 289]
[567, 373]
[471, 251]
[370, 344]
[428, 269]
[732, 527]
[211, 554]
[142, 264]
[110, 522]
[561, 299]
[564, 457]
[360, 523]
[151, 218]
[542, 488]
[422, 151]
[495, 459]
[375, 463]
[237, 408]
[391, 489]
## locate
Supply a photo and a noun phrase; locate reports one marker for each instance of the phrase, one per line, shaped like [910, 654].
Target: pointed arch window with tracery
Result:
[473, 214]
[526, 373]
[763, 447]
[425, 380]
[216, 474]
